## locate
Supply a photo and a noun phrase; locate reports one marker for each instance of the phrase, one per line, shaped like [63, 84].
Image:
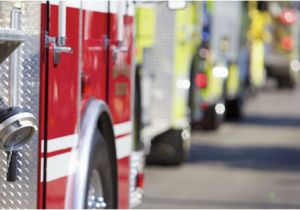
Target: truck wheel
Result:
[211, 120]
[234, 108]
[169, 148]
[285, 82]
[100, 192]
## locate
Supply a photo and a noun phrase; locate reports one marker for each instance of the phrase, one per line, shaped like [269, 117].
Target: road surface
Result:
[254, 163]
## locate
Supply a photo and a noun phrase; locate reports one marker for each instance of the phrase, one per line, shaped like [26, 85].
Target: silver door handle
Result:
[58, 50]
[123, 49]
[120, 49]
[63, 49]
[60, 41]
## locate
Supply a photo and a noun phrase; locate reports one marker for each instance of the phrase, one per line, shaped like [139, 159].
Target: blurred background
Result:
[217, 103]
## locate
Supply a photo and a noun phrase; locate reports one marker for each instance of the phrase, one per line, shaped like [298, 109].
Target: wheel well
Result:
[106, 128]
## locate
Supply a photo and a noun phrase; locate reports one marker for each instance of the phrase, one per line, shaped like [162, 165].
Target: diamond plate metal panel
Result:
[23, 192]
[159, 62]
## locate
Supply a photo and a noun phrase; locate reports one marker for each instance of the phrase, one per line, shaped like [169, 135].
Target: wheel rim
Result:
[95, 199]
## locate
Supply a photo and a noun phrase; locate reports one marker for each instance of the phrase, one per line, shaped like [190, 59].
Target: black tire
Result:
[234, 108]
[168, 148]
[285, 82]
[211, 120]
[99, 160]
[138, 144]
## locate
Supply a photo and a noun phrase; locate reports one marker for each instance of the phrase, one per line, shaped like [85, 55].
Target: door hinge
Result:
[49, 39]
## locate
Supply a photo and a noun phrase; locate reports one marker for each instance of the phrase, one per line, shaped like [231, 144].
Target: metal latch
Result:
[58, 47]
[59, 41]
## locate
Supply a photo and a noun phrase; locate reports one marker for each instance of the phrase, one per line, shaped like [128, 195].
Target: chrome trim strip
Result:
[59, 143]
[123, 128]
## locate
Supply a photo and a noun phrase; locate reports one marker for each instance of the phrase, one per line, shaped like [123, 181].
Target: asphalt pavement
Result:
[252, 163]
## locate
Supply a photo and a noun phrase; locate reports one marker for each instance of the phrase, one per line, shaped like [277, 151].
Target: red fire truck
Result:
[66, 105]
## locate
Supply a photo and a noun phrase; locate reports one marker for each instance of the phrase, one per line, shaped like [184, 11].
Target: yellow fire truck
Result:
[282, 56]
[166, 42]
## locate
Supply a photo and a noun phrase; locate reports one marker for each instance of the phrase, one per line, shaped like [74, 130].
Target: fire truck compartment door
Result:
[61, 97]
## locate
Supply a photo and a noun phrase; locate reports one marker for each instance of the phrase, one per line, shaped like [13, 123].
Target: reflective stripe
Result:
[69, 3]
[123, 128]
[124, 145]
[60, 143]
[97, 6]
[131, 8]
[114, 7]
[57, 166]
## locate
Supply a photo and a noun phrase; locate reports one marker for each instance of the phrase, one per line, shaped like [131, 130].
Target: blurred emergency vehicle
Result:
[165, 47]
[282, 52]
[229, 61]
[228, 39]
[206, 96]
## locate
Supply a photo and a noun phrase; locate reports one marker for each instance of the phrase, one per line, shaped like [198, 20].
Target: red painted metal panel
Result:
[120, 77]
[63, 85]
[123, 176]
[57, 200]
[94, 55]
[63, 78]
[120, 71]
[62, 95]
